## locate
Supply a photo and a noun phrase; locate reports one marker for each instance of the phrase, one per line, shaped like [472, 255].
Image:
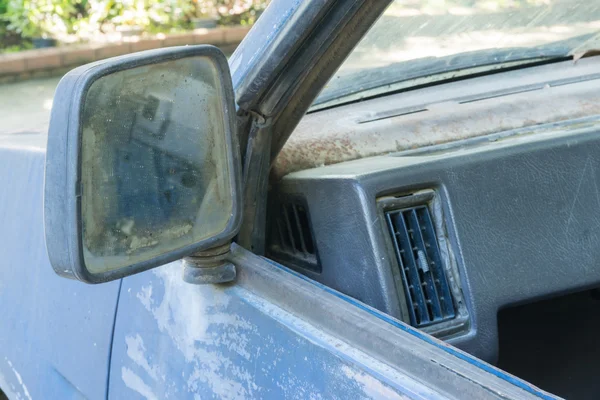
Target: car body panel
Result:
[177, 340]
[55, 335]
[296, 339]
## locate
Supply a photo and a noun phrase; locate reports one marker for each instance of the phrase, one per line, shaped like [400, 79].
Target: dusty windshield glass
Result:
[418, 42]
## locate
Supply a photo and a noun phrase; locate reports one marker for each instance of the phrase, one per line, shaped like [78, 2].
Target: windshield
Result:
[418, 42]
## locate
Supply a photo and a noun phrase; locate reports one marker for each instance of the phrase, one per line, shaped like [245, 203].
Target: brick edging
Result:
[44, 62]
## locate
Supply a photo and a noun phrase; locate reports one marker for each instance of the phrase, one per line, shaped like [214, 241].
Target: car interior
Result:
[467, 209]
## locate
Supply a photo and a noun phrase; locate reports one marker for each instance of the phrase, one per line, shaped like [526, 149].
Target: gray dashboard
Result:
[520, 210]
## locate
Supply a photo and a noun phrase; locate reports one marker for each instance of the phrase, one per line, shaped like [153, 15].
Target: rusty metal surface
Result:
[354, 131]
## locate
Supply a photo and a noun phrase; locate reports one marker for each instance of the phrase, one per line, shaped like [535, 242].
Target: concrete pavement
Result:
[25, 106]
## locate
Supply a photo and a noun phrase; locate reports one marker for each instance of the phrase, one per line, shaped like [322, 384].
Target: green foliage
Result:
[22, 20]
[8, 39]
[25, 45]
[148, 14]
[44, 18]
[238, 12]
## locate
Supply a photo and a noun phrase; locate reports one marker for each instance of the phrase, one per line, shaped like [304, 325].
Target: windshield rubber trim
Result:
[435, 83]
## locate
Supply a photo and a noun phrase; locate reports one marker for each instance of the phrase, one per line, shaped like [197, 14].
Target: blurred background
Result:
[27, 24]
[41, 39]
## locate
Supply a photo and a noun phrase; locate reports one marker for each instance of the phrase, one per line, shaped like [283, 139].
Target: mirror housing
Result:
[142, 163]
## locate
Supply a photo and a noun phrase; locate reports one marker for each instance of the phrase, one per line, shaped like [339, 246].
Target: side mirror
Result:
[142, 164]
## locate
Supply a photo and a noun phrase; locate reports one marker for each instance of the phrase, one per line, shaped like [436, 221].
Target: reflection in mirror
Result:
[154, 172]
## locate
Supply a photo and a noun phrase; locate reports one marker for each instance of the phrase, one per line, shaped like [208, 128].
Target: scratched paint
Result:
[9, 389]
[24, 389]
[136, 351]
[135, 383]
[371, 387]
[176, 316]
[176, 340]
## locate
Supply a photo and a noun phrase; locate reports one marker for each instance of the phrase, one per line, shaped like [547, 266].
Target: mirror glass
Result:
[154, 168]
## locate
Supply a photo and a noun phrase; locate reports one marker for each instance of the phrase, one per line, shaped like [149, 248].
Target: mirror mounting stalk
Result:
[209, 266]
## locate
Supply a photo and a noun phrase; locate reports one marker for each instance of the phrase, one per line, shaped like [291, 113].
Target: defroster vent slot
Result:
[291, 239]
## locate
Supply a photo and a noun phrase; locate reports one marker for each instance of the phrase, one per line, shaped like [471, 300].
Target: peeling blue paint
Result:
[184, 340]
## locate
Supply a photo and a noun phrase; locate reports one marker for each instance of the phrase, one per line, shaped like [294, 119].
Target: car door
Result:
[277, 334]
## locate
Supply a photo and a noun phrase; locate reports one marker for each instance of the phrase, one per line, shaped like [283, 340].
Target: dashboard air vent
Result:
[291, 238]
[422, 270]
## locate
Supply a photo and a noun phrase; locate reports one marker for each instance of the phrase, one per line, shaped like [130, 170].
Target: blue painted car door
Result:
[275, 334]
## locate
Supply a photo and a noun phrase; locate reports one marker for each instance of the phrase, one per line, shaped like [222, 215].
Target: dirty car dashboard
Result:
[494, 178]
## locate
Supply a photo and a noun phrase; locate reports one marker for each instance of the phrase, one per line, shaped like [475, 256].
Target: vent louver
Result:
[425, 284]
[292, 239]
[293, 229]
